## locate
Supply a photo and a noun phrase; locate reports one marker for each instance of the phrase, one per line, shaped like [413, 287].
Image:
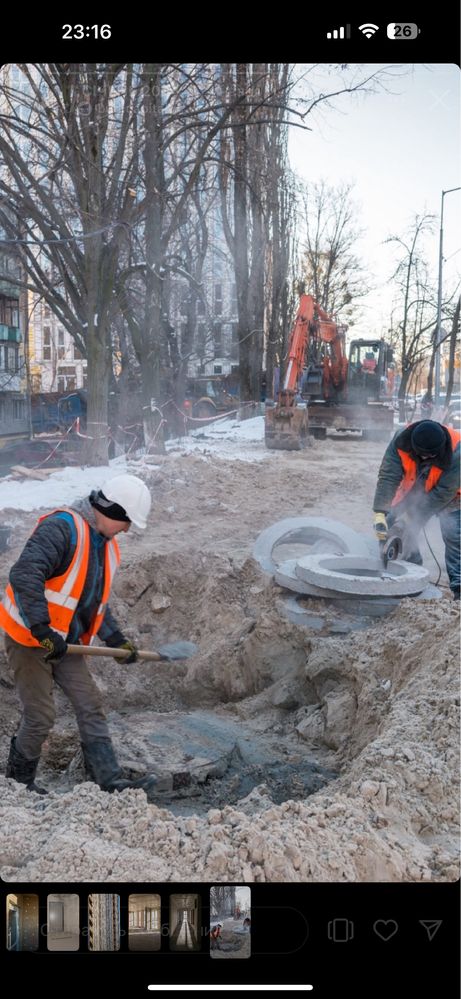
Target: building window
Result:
[11, 359]
[235, 341]
[183, 332]
[2, 358]
[18, 409]
[9, 314]
[47, 353]
[201, 339]
[61, 384]
[61, 338]
[46, 311]
[218, 299]
[234, 309]
[217, 369]
[217, 339]
[184, 304]
[77, 355]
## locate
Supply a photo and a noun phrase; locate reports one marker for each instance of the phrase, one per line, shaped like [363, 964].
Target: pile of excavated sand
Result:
[376, 707]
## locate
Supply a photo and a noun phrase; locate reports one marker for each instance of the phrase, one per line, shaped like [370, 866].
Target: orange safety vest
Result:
[410, 469]
[63, 592]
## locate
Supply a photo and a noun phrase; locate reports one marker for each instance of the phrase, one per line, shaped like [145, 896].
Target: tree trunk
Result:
[451, 357]
[155, 195]
[96, 447]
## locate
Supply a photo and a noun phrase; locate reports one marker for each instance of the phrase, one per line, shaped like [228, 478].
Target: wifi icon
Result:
[368, 29]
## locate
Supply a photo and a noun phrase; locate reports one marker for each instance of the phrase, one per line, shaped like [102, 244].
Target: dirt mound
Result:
[337, 753]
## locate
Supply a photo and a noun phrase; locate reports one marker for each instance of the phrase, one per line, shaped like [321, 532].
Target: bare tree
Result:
[450, 312]
[454, 344]
[184, 115]
[65, 148]
[247, 184]
[280, 223]
[267, 104]
[415, 310]
[332, 272]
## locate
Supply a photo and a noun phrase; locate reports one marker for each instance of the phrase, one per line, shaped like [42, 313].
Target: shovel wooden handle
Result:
[100, 650]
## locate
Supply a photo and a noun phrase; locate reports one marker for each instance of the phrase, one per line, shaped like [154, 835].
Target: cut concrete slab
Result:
[199, 742]
[307, 531]
[327, 622]
[369, 605]
[285, 575]
[205, 745]
[208, 745]
[362, 576]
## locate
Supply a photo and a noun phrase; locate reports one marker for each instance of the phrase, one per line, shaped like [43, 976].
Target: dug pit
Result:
[308, 751]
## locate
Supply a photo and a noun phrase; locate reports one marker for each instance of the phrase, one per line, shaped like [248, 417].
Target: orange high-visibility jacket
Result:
[63, 592]
[410, 469]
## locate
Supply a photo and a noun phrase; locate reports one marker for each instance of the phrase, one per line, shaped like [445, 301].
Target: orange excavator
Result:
[323, 390]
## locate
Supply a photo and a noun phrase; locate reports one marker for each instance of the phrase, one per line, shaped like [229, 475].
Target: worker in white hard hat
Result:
[58, 593]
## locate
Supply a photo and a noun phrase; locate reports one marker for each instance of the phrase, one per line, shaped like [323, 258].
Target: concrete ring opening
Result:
[298, 536]
[374, 570]
[362, 576]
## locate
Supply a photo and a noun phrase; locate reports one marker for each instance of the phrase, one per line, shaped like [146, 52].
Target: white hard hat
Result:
[132, 494]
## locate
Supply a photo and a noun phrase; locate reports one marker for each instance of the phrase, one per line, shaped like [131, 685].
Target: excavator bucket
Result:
[286, 427]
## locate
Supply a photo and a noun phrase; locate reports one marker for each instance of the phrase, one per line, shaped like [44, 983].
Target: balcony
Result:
[10, 333]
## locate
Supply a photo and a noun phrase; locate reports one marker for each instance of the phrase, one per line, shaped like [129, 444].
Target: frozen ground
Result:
[370, 714]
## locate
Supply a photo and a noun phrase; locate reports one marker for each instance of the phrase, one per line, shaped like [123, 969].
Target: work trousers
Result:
[34, 678]
[450, 526]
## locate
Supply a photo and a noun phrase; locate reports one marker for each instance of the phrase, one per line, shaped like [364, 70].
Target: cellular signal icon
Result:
[368, 29]
[340, 32]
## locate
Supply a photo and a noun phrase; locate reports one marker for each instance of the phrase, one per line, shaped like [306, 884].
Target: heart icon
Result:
[385, 928]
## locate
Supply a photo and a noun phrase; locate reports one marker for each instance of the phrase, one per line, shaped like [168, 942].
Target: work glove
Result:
[380, 525]
[51, 641]
[118, 641]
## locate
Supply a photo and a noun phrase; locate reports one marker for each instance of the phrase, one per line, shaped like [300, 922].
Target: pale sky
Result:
[401, 149]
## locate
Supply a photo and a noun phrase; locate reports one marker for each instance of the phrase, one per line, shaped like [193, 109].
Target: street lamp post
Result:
[439, 305]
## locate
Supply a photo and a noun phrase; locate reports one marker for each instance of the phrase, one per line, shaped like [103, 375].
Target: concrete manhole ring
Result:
[362, 576]
[365, 604]
[306, 531]
[286, 575]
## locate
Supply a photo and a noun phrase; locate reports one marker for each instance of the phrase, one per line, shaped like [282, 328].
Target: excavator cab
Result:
[367, 375]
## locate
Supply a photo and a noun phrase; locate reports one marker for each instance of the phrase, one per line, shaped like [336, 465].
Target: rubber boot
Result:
[102, 766]
[22, 770]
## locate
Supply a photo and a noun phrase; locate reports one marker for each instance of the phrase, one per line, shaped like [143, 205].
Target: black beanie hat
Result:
[428, 437]
[111, 510]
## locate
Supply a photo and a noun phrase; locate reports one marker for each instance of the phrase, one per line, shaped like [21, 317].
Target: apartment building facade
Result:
[14, 416]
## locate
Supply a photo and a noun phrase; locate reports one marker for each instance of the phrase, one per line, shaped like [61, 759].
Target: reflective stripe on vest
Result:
[111, 564]
[63, 592]
[410, 470]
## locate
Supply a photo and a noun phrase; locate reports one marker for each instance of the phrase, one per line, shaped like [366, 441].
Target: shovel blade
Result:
[178, 650]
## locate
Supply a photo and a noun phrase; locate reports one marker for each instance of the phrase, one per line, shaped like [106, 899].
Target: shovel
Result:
[166, 653]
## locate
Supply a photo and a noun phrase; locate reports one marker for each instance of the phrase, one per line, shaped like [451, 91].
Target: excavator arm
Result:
[316, 347]
[312, 329]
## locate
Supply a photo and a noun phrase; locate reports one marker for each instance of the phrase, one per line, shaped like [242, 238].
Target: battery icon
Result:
[401, 30]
